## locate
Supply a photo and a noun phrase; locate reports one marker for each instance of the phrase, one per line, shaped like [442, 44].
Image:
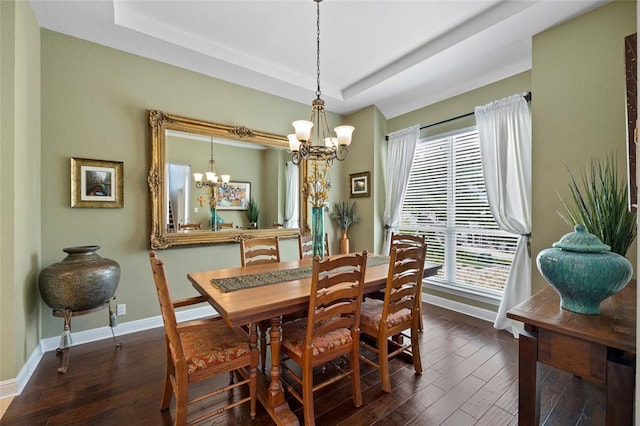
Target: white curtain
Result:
[504, 129]
[402, 146]
[292, 199]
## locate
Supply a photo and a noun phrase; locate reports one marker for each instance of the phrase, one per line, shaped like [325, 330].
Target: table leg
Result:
[270, 390]
[619, 393]
[276, 392]
[528, 389]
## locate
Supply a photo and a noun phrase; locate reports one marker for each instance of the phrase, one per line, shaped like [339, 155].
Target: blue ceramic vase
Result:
[583, 271]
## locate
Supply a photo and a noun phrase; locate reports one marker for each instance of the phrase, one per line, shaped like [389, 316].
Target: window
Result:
[446, 201]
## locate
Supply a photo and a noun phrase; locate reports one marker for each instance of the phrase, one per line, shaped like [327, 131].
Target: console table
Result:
[599, 348]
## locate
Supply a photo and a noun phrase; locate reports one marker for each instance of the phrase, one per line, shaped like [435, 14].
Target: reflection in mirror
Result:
[189, 209]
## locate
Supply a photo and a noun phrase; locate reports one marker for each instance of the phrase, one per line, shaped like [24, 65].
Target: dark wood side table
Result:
[599, 348]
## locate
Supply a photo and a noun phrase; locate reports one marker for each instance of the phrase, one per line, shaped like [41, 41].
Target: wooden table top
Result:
[262, 303]
[615, 327]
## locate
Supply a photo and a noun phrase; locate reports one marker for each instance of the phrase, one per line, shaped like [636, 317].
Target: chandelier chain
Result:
[318, 92]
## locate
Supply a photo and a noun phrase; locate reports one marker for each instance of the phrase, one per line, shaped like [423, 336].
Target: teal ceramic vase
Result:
[583, 271]
[317, 231]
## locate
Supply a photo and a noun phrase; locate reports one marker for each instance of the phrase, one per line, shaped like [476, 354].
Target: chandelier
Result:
[312, 139]
[213, 181]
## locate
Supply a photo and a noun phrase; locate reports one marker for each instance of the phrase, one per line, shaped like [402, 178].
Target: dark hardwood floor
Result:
[470, 378]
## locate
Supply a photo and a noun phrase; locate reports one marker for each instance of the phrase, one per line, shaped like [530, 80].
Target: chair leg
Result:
[168, 390]
[415, 351]
[253, 370]
[182, 401]
[356, 388]
[264, 327]
[307, 396]
[383, 361]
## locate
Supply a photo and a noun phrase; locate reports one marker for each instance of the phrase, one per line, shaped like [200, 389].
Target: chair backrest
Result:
[337, 285]
[406, 240]
[305, 246]
[225, 225]
[256, 251]
[189, 226]
[404, 280]
[166, 305]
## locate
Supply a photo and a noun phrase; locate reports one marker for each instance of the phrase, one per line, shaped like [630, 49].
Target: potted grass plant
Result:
[599, 202]
[253, 211]
[344, 213]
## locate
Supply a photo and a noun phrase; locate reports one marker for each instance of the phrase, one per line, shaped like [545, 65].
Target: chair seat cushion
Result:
[371, 314]
[294, 333]
[212, 346]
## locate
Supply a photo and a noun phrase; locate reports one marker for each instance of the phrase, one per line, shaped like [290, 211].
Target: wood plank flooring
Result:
[470, 378]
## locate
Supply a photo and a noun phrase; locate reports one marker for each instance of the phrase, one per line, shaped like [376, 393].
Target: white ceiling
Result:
[397, 54]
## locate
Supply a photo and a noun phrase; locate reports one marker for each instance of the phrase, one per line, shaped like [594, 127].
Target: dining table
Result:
[252, 294]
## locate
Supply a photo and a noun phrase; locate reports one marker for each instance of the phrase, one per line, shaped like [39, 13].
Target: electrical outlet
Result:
[121, 309]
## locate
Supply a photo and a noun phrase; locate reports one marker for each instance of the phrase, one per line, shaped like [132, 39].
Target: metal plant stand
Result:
[65, 339]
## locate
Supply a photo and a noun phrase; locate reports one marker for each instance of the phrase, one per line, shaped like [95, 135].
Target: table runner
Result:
[242, 282]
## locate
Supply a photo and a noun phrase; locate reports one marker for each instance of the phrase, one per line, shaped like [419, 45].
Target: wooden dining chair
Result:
[305, 246]
[404, 241]
[199, 350]
[397, 313]
[330, 330]
[256, 251]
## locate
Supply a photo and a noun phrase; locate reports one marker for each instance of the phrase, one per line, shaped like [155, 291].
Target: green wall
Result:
[19, 185]
[578, 83]
[94, 102]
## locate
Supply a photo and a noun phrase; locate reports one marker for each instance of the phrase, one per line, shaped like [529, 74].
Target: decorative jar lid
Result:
[581, 240]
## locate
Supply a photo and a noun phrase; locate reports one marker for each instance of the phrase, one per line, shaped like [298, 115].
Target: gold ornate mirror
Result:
[187, 212]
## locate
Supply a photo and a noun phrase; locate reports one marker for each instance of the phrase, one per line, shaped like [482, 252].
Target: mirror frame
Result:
[159, 238]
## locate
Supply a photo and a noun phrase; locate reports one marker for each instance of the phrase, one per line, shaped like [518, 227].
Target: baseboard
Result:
[13, 387]
[463, 308]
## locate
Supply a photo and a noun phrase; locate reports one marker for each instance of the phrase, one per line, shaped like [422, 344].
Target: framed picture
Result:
[234, 196]
[630, 43]
[359, 185]
[97, 183]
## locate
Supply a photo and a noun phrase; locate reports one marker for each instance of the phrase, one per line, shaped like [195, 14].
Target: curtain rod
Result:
[527, 97]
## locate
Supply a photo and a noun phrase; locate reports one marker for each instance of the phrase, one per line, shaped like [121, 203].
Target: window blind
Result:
[446, 201]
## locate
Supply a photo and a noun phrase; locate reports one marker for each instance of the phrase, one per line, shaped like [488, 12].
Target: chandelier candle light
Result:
[212, 183]
[313, 142]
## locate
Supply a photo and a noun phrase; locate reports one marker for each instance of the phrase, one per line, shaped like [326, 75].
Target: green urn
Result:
[583, 271]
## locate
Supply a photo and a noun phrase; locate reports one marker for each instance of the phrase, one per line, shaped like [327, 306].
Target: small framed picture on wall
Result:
[97, 183]
[359, 185]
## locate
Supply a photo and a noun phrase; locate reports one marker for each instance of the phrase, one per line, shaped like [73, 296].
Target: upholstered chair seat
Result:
[295, 333]
[213, 346]
[371, 314]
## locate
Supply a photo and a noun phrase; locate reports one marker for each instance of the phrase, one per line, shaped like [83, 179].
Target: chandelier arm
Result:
[342, 153]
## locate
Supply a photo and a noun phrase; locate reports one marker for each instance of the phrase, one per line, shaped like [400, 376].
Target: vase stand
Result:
[65, 341]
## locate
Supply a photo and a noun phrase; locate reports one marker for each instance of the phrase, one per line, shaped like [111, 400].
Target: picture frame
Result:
[234, 196]
[359, 185]
[97, 183]
[631, 73]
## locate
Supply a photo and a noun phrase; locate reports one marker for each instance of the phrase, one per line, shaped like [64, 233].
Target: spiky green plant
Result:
[344, 212]
[601, 204]
[252, 210]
